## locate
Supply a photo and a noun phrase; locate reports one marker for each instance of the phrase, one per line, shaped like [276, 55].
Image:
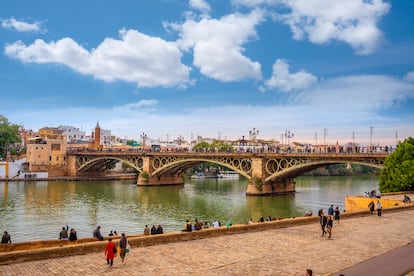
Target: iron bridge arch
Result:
[88, 162]
[242, 166]
[277, 169]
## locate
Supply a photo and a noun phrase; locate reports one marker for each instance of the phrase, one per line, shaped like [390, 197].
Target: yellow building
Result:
[47, 155]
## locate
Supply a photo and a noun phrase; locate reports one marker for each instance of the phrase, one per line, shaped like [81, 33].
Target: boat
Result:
[200, 175]
[228, 174]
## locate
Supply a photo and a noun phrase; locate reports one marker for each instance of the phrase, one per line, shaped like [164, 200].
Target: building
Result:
[74, 135]
[101, 138]
[47, 155]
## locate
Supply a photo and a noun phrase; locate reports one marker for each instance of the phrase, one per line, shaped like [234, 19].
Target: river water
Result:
[38, 210]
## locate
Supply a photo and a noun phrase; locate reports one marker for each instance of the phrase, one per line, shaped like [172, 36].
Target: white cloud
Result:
[21, 26]
[342, 105]
[351, 21]
[200, 5]
[217, 45]
[357, 93]
[135, 57]
[283, 80]
[409, 76]
[321, 21]
[141, 105]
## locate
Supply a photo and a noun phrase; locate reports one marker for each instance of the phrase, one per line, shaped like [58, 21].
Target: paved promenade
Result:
[286, 251]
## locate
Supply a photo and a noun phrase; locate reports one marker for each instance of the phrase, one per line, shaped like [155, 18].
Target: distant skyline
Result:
[212, 68]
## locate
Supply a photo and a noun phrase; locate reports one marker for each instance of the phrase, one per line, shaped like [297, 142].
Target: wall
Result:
[358, 203]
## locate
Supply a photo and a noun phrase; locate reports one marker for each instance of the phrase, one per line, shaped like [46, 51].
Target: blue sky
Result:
[212, 68]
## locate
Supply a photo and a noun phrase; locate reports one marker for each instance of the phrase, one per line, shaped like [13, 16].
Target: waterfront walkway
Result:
[285, 251]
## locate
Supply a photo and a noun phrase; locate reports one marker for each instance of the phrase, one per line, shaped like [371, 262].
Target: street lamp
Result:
[180, 139]
[353, 142]
[371, 131]
[325, 132]
[288, 135]
[143, 138]
[253, 133]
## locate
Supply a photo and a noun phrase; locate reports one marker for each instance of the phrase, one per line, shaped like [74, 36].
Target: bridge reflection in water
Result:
[267, 173]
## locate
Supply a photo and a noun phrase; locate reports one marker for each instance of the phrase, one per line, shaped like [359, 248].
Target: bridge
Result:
[267, 173]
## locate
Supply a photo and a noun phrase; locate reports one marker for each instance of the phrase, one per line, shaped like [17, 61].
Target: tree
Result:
[398, 172]
[9, 134]
[201, 146]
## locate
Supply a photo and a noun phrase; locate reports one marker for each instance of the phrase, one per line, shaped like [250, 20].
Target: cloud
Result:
[135, 57]
[283, 80]
[409, 76]
[141, 105]
[356, 102]
[217, 45]
[357, 93]
[352, 21]
[200, 5]
[21, 26]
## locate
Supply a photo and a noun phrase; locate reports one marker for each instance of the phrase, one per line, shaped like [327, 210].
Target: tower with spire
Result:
[97, 137]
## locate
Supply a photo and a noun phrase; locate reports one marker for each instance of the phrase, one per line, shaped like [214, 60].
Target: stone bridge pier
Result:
[149, 176]
[257, 184]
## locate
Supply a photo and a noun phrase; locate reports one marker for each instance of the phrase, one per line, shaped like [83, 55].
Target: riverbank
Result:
[126, 176]
[275, 250]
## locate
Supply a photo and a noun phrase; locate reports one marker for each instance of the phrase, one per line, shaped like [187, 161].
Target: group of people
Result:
[198, 225]
[371, 207]
[64, 236]
[154, 230]
[327, 220]
[111, 250]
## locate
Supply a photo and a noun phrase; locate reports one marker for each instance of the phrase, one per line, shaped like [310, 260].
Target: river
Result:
[38, 210]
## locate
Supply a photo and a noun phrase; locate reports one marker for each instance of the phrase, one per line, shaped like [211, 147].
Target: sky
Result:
[314, 70]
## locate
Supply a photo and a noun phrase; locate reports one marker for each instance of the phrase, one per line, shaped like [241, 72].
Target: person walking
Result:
[329, 225]
[371, 207]
[6, 238]
[110, 251]
[324, 223]
[331, 210]
[337, 214]
[123, 242]
[379, 208]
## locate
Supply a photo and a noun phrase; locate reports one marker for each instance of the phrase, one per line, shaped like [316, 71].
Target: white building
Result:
[74, 135]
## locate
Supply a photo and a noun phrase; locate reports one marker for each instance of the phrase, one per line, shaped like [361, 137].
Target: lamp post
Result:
[325, 132]
[253, 134]
[396, 138]
[371, 131]
[288, 135]
[353, 142]
[180, 139]
[143, 138]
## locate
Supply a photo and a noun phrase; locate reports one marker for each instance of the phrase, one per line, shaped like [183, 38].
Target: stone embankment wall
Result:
[19, 252]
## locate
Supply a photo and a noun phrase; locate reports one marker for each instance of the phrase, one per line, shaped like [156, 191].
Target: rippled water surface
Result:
[38, 210]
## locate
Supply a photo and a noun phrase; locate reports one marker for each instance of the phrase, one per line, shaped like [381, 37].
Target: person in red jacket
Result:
[110, 251]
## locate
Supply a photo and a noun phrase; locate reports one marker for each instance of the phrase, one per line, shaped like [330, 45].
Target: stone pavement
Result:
[285, 251]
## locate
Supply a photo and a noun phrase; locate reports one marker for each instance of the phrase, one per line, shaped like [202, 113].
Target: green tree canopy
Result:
[398, 172]
[216, 145]
[9, 134]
